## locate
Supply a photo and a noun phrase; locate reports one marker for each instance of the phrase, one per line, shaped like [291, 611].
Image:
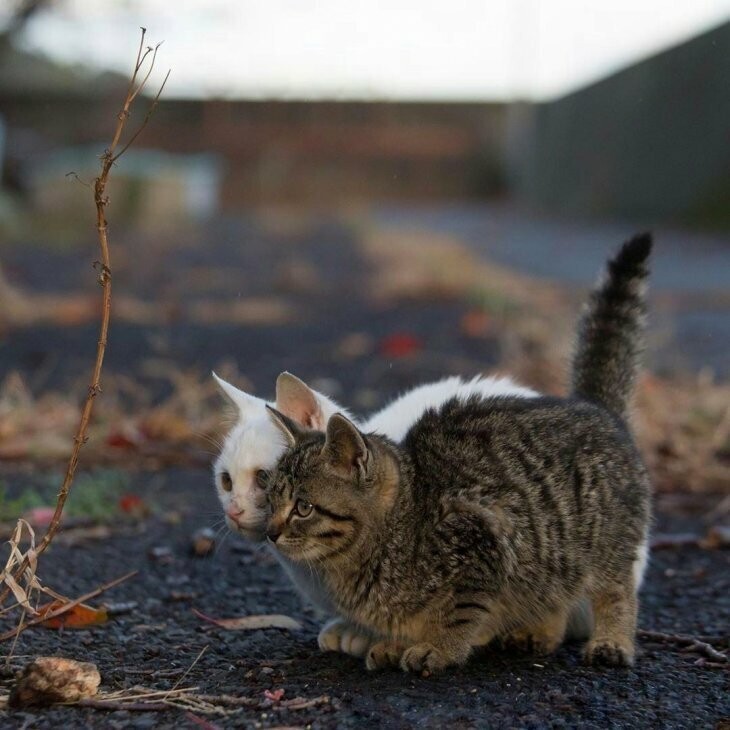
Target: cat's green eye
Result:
[226, 481]
[262, 478]
[303, 508]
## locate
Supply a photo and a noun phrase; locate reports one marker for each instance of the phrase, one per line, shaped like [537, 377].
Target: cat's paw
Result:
[383, 654]
[609, 653]
[331, 633]
[354, 641]
[338, 634]
[423, 658]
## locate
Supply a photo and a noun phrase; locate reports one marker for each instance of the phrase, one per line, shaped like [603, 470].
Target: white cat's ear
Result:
[298, 401]
[245, 404]
[345, 446]
[289, 428]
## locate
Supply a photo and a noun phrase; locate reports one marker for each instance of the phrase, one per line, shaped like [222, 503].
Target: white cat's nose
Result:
[234, 512]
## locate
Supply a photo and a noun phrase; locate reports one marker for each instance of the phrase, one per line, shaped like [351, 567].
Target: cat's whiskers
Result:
[219, 545]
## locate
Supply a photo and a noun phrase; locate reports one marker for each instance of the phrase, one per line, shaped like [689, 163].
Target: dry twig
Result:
[101, 200]
[687, 644]
[67, 606]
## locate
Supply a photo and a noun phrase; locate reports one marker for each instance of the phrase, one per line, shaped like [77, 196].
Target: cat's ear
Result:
[297, 400]
[345, 446]
[289, 428]
[246, 404]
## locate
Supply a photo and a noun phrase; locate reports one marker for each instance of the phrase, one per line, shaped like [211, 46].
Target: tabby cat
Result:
[493, 516]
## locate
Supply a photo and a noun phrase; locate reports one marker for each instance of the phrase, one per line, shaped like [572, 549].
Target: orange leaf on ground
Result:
[132, 504]
[120, 440]
[400, 344]
[250, 623]
[77, 617]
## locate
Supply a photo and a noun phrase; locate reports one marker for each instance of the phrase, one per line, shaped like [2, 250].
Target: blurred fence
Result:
[652, 141]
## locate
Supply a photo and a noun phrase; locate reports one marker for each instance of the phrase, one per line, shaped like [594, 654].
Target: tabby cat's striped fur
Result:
[493, 517]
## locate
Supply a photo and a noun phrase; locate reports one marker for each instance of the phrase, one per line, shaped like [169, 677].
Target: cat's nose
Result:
[234, 512]
[273, 535]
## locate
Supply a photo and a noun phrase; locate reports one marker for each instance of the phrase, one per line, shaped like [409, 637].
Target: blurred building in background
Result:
[651, 142]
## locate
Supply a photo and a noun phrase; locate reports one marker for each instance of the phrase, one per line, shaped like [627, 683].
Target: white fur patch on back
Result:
[396, 419]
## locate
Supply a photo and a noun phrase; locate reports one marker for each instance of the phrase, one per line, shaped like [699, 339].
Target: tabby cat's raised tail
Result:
[611, 330]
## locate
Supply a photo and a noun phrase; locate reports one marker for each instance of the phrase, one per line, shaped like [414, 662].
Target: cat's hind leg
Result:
[338, 634]
[615, 609]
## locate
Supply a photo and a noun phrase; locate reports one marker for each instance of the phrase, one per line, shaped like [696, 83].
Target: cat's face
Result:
[326, 493]
[254, 446]
[249, 451]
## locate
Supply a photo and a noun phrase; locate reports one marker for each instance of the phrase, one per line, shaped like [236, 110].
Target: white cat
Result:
[254, 446]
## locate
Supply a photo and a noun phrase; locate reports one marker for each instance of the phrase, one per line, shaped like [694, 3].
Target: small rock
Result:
[203, 543]
[117, 609]
[50, 679]
[160, 554]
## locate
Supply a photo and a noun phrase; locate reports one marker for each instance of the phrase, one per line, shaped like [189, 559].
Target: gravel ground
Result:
[687, 591]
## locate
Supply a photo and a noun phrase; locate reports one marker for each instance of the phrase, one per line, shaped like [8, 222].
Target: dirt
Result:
[687, 591]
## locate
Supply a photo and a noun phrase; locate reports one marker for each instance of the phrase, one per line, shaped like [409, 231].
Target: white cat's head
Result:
[254, 445]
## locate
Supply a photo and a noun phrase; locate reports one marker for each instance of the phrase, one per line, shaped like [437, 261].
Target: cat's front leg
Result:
[447, 636]
[338, 634]
[449, 645]
[428, 658]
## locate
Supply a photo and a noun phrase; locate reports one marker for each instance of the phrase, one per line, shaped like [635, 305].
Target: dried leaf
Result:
[134, 505]
[77, 617]
[20, 595]
[400, 344]
[251, 623]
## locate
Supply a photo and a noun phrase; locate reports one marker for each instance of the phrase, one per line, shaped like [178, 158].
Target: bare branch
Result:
[105, 280]
[149, 71]
[150, 111]
[68, 606]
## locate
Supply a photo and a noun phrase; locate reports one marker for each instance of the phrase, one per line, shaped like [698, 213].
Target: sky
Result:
[383, 49]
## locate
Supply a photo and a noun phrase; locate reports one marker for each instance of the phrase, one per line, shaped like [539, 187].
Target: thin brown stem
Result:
[105, 280]
[146, 119]
[688, 643]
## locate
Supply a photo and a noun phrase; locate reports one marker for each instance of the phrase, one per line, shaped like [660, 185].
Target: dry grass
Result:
[425, 266]
[183, 427]
[682, 423]
[683, 427]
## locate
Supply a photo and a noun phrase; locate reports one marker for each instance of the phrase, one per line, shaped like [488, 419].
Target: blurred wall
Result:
[290, 151]
[652, 141]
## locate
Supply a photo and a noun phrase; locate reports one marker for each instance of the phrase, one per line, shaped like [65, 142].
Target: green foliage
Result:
[13, 507]
[94, 495]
